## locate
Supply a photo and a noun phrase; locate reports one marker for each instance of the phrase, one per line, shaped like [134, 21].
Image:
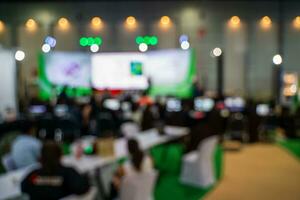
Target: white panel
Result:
[7, 81]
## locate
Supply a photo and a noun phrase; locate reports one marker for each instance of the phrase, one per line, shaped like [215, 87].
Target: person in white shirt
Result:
[138, 162]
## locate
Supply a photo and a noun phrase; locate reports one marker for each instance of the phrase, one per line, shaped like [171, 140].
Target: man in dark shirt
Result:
[53, 181]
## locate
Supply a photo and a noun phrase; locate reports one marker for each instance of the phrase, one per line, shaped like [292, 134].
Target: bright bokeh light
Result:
[293, 88]
[183, 38]
[165, 20]
[289, 78]
[234, 22]
[153, 40]
[46, 48]
[266, 22]
[19, 55]
[277, 59]
[143, 47]
[296, 23]
[96, 23]
[139, 39]
[130, 22]
[31, 25]
[63, 23]
[2, 26]
[94, 48]
[51, 41]
[185, 45]
[217, 52]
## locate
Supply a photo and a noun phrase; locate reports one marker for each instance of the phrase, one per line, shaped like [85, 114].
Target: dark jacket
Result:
[40, 184]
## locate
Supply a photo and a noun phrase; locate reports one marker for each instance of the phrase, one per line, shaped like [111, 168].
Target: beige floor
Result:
[259, 172]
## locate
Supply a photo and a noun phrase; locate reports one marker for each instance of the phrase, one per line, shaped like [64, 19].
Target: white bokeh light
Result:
[94, 48]
[217, 52]
[46, 48]
[277, 59]
[143, 47]
[185, 45]
[19, 55]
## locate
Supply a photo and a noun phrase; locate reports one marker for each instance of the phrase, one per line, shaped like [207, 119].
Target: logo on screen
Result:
[136, 68]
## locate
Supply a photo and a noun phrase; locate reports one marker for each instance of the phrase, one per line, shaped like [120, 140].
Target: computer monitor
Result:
[61, 110]
[203, 104]
[126, 106]
[37, 109]
[112, 104]
[235, 104]
[262, 110]
[173, 105]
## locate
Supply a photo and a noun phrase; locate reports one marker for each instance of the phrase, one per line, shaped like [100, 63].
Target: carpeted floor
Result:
[259, 172]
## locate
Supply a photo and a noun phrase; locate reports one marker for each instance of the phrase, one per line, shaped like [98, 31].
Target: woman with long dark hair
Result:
[138, 162]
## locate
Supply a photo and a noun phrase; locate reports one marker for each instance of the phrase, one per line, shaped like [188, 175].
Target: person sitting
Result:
[53, 181]
[138, 163]
[25, 149]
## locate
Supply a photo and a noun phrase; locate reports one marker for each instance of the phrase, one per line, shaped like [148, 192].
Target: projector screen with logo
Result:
[118, 71]
[170, 71]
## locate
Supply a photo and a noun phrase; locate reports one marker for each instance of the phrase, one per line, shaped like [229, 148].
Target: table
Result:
[146, 139]
[10, 182]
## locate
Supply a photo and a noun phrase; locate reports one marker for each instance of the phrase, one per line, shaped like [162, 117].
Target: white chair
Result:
[198, 167]
[138, 186]
[10, 183]
[8, 162]
[130, 129]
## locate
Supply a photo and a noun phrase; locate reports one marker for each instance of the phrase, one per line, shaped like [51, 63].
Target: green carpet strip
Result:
[292, 145]
[167, 159]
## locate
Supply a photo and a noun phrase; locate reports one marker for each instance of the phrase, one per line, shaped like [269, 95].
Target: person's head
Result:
[50, 155]
[136, 153]
[28, 126]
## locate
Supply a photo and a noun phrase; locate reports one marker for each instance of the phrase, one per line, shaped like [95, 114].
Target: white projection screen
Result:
[118, 71]
[8, 98]
[68, 69]
[132, 70]
[167, 67]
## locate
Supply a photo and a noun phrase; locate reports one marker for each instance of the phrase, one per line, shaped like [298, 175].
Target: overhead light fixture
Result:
[234, 22]
[266, 22]
[2, 26]
[63, 23]
[31, 25]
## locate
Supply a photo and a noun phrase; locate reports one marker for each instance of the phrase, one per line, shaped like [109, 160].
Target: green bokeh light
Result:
[139, 40]
[98, 41]
[90, 41]
[147, 40]
[83, 41]
[153, 40]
